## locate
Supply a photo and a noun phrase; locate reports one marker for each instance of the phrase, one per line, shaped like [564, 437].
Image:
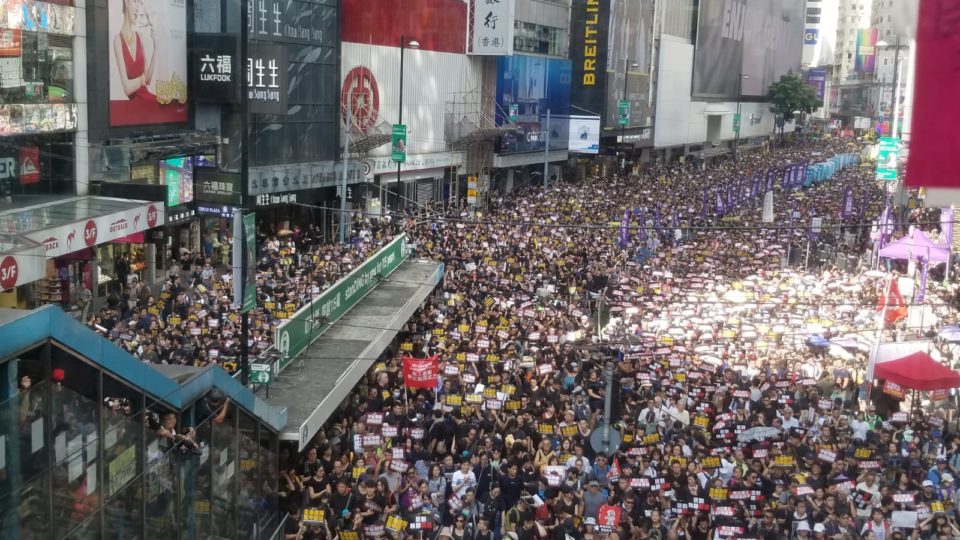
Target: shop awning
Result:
[716, 109]
[31, 235]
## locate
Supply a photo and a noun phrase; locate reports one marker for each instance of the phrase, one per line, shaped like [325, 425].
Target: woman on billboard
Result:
[136, 71]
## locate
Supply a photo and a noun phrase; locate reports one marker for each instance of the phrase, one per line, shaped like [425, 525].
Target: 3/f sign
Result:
[514, 112]
[399, 144]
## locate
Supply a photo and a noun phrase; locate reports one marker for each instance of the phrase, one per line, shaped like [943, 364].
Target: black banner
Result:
[760, 39]
[589, 29]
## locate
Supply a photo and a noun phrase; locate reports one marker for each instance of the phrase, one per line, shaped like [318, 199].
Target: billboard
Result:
[589, 30]
[630, 32]
[817, 78]
[148, 62]
[492, 27]
[866, 58]
[584, 135]
[177, 175]
[760, 39]
[532, 85]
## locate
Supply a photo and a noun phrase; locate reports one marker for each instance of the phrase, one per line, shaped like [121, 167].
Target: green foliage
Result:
[790, 95]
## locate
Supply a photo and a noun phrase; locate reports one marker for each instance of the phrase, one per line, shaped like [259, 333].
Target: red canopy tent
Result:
[918, 371]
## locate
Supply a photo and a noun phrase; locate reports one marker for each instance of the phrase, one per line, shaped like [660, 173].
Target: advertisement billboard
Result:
[492, 27]
[760, 39]
[534, 85]
[817, 78]
[866, 59]
[589, 34]
[177, 175]
[630, 35]
[584, 135]
[148, 62]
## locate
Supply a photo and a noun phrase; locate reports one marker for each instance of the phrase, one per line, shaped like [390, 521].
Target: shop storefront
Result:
[423, 178]
[78, 244]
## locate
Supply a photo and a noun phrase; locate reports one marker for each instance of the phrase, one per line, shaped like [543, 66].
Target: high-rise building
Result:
[852, 16]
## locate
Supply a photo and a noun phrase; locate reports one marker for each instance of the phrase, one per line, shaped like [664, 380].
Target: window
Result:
[35, 67]
[814, 11]
[539, 39]
[813, 20]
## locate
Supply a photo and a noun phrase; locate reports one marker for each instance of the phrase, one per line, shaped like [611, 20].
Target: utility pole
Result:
[546, 151]
[244, 183]
[343, 180]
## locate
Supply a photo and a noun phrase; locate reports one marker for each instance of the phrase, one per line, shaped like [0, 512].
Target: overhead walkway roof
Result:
[318, 381]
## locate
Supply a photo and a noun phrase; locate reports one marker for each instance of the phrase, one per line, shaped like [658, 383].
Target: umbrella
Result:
[758, 434]
[852, 341]
[839, 352]
[949, 333]
[818, 341]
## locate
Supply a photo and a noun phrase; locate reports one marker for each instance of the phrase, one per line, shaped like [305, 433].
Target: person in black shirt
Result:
[511, 485]
[291, 528]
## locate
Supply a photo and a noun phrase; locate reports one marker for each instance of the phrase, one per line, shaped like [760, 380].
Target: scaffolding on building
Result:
[470, 127]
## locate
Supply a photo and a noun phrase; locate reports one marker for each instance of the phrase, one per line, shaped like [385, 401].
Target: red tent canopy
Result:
[918, 371]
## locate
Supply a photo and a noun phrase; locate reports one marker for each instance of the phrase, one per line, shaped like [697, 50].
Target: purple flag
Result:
[676, 219]
[706, 203]
[923, 277]
[656, 220]
[642, 231]
[624, 235]
[719, 203]
[846, 210]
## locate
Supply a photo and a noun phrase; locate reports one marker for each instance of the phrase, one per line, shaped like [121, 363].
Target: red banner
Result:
[933, 140]
[892, 304]
[420, 372]
[29, 165]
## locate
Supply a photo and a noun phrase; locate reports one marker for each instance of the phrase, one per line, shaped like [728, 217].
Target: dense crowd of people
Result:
[738, 396]
[194, 321]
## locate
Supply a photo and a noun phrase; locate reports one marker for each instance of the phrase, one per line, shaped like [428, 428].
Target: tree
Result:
[790, 95]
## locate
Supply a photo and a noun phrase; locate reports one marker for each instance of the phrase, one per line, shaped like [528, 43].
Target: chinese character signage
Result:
[147, 62]
[291, 21]
[492, 22]
[213, 185]
[887, 158]
[399, 143]
[216, 73]
[267, 79]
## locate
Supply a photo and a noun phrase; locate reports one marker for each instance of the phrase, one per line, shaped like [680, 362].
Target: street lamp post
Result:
[738, 119]
[404, 44]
